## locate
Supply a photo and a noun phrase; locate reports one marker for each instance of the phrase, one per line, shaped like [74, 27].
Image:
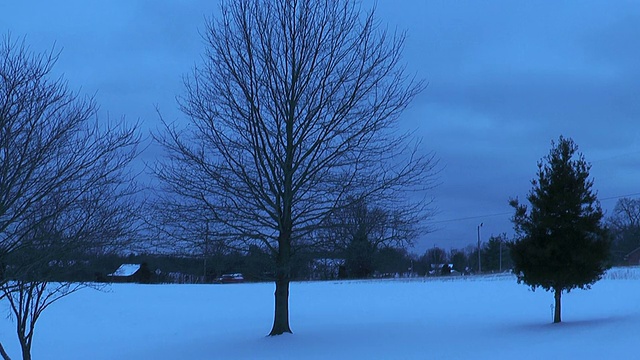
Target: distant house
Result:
[633, 258]
[131, 273]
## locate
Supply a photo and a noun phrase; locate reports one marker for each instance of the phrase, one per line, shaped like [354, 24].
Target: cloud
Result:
[505, 78]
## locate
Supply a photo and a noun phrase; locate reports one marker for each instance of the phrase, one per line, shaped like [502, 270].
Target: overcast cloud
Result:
[505, 78]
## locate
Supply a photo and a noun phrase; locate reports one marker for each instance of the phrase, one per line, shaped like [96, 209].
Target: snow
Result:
[482, 317]
[126, 270]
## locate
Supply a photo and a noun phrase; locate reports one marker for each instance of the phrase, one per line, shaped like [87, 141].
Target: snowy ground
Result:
[488, 317]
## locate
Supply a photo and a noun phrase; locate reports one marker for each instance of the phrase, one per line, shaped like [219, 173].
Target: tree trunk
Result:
[556, 315]
[281, 317]
[25, 345]
[26, 353]
[283, 277]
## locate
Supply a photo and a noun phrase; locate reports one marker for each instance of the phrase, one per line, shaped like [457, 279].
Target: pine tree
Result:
[562, 243]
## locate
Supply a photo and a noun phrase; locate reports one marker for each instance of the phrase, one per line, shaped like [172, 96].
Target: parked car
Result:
[230, 279]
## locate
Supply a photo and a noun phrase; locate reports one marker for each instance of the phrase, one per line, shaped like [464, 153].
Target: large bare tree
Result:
[65, 187]
[294, 108]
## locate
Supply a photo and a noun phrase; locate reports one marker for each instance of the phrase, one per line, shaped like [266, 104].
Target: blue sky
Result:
[505, 78]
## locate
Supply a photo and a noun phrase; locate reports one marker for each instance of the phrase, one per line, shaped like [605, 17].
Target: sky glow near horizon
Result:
[505, 79]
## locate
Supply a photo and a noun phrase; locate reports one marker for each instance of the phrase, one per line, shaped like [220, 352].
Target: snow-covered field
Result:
[489, 317]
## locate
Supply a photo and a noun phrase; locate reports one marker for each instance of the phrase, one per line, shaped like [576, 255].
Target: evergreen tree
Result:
[359, 256]
[459, 260]
[495, 256]
[562, 243]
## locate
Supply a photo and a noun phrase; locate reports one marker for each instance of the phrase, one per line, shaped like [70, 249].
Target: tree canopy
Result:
[562, 243]
[293, 110]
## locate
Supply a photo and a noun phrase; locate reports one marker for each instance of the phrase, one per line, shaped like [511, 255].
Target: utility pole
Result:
[479, 260]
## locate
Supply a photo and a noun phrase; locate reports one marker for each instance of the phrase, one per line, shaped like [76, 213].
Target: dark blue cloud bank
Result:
[505, 78]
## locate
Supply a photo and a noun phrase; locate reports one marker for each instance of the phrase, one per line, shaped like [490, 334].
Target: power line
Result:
[619, 196]
[471, 218]
[509, 213]
[611, 157]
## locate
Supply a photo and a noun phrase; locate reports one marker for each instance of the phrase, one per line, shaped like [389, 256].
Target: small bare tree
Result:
[381, 227]
[294, 108]
[624, 224]
[184, 228]
[357, 230]
[64, 184]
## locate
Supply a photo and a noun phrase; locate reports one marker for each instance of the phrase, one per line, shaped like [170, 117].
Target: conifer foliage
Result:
[562, 243]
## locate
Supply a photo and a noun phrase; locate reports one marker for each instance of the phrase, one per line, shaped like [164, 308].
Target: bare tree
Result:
[64, 184]
[435, 255]
[294, 108]
[626, 213]
[358, 230]
[184, 228]
[28, 299]
[624, 224]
